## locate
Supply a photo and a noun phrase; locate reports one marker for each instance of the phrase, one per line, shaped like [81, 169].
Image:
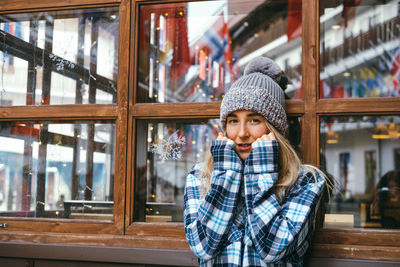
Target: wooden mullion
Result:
[27, 5]
[121, 136]
[55, 13]
[310, 35]
[210, 109]
[197, 109]
[294, 107]
[61, 112]
[383, 105]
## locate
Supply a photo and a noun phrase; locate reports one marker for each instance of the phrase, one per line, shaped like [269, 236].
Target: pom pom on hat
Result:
[265, 66]
[258, 90]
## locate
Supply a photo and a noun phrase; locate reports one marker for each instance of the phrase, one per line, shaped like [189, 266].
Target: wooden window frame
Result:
[31, 228]
[376, 244]
[327, 242]
[356, 243]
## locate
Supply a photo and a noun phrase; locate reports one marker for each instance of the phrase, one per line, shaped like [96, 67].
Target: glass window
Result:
[165, 153]
[359, 49]
[192, 52]
[56, 169]
[52, 57]
[361, 155]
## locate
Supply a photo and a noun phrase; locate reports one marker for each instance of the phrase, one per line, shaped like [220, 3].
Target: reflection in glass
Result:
[192, 52]
[361, 155]
[57, 170]
[359, 49]
[52, 57]
[165, 153]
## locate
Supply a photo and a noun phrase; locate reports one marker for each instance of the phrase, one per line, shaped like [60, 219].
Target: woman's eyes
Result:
[255, 120]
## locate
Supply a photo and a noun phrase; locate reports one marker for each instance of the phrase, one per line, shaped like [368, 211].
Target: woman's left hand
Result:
[270, 136]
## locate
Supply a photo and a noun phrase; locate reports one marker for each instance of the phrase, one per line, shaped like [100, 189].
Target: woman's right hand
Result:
[221, 136]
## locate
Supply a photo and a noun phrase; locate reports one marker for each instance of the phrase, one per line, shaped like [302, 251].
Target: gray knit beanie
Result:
[258, 90]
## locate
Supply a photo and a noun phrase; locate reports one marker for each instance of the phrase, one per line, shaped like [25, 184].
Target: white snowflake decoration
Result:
[60, 62]
[169, 149]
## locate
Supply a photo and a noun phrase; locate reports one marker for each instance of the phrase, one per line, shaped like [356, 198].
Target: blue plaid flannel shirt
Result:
[239, 222]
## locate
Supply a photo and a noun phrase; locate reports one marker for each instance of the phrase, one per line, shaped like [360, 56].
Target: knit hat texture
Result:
[258, 90]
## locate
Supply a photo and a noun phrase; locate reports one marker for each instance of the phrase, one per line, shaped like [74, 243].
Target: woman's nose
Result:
[243, 131]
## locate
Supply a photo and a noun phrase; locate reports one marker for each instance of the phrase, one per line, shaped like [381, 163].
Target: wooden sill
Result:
[355, 252]
[358, 237]
[98, 254]
[346, 243]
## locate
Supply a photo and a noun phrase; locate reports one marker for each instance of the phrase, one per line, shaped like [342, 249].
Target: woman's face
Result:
[244, 127]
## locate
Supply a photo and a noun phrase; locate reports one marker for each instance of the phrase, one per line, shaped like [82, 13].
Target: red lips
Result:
[244, 147]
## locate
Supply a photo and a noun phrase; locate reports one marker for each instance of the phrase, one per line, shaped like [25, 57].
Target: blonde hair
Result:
[289, 165]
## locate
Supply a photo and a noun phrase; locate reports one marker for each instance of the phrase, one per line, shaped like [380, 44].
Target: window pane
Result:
[165, 153]
[52, 57]
[57, 170]
[359, 49]
[192, 52]
[361, 154]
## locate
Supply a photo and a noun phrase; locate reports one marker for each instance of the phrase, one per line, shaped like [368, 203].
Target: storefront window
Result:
[192, 52]
[57, 170]
[166, 151]
[361, 156]
[52, 57]
[360, 54]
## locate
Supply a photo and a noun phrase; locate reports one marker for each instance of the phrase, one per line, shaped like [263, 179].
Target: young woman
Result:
[252, 203]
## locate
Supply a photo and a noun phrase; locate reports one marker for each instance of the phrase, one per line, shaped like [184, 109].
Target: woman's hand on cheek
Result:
[265, 137]
[221, 136]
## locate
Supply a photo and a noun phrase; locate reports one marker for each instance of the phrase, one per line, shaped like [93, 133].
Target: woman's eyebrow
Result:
[253, 114]
[232, 115]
